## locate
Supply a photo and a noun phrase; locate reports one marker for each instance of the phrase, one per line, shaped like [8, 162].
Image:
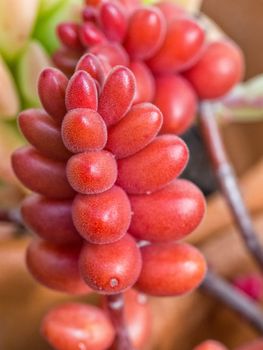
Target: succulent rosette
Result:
[105, 182]
[109, 209]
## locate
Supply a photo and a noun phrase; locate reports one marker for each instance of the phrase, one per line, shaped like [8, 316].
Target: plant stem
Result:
[229, 295]
[227, 181]
[115, 304]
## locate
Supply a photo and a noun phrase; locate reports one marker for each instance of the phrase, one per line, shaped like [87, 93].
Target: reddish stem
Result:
[236, 300]
[227, 181]
[115, 304]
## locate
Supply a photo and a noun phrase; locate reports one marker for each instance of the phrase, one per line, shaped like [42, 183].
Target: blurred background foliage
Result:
[27, 37]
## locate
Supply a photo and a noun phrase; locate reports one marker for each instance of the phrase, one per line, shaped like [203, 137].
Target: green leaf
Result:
[45, 30]
[33, 60]
[47, 6]
[9, 99]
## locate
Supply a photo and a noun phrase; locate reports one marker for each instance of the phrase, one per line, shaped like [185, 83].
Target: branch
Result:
[227, 181]
[237, 301]
[115, 304]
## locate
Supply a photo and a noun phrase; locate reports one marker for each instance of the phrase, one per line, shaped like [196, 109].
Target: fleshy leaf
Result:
[46, 26]
[9, 100]
[17, 20]
[31, 63]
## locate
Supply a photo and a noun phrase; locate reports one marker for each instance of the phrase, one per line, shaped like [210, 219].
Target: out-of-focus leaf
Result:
[212, 30]
[244, 103]
[33, 60]
[46, 6]
[9, 141]
[9, 100]
[10, 195]
[46, 26]
[192, 6]
[17, 19]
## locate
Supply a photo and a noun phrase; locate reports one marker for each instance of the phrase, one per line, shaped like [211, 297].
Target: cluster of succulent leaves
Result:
[25, 49]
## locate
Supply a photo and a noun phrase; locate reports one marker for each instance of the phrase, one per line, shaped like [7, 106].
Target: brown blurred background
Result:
[242, 20]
